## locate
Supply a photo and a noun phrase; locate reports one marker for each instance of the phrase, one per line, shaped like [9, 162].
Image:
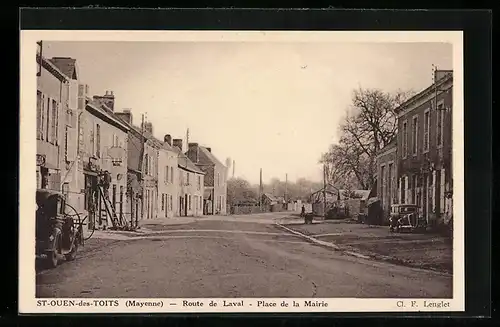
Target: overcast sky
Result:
[274, 106]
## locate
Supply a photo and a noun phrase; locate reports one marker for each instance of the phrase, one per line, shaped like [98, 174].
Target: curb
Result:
[309, 238]
[378, 257]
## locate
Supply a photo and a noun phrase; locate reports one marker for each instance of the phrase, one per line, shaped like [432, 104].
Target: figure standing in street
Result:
[303, 211]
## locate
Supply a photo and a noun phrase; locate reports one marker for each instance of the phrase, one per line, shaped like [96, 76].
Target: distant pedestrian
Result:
[303, 210]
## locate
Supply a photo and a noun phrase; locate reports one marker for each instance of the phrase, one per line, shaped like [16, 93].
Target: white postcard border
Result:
[27, 276]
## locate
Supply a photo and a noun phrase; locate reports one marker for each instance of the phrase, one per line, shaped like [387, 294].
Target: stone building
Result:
[387, 189]
[168, 186]
[424, 149]
[191, 184]
[105, 139]
[215, 194]
[53, 149]
[71, 181]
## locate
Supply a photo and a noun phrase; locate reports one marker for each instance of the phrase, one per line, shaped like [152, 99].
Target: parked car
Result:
[406, 217]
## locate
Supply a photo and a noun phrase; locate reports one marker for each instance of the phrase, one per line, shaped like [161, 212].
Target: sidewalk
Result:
[426, 251]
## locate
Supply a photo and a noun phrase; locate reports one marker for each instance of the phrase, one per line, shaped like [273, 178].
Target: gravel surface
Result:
[231, 259]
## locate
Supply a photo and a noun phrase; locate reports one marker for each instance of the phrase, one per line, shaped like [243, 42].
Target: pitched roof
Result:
[53, 69]
[363, 194]
[185, 163]
[66, 65]
[107, 115]
[270, 196]
[207, 157]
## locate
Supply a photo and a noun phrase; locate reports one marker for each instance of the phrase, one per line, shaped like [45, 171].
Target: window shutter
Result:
[441, 196]
[70, 144]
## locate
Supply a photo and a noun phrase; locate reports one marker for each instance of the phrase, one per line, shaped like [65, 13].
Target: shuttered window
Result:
[98, 141]
[47, 124]
[39, 114]
[54, 126]
[442, 190]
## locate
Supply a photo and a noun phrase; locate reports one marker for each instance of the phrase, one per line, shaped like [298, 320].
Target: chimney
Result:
[148, 127]
[107, 99]
[126, 115]
[168, 139]
[193, 151]
[178, 143]
[209, 149]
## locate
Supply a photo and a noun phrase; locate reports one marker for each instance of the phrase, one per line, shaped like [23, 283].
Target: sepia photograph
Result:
[249, 171]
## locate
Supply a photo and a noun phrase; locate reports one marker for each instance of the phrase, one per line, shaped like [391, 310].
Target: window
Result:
[390, 183]
[163, 201]
[440, 124]
[166, 174]
[39, 114]
[42, 119]
[414, 189]
[427, 125]
[382, 179]
[98, 141]
[146, 164]
[170, 202]
[415, 136]
[171, 174]
[55, 122]
[189, 201]
[47, 128]
[403, 189]
[405, 139]
[199, 183]
[218, 179]
[187, 178]
[442, 190]
[201, 203]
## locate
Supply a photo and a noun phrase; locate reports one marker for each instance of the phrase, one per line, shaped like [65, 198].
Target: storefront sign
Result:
[40, 160]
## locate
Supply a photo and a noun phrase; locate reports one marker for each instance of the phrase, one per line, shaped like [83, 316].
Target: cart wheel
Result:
[72, 255]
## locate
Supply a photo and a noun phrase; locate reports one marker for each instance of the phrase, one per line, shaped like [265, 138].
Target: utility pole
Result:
[141, 168]
[233, 167]
[286, 187]
[260, 191]
[187, 138]
[324, 190]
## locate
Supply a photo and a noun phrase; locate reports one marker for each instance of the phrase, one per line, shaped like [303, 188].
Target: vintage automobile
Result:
[406, 217]
[58, 233]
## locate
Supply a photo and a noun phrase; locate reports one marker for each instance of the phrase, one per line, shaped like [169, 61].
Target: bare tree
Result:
[370, 124]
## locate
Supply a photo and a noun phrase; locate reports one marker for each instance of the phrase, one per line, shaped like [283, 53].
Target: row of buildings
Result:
[416, 166]
[79, 137]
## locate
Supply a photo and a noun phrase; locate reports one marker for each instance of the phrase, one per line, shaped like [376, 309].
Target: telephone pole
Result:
[286, 187]
[260, 191]
[233, 167]
[324, 190]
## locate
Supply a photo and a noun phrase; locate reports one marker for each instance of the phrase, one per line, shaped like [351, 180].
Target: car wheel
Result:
[72, 255]
[53, 256]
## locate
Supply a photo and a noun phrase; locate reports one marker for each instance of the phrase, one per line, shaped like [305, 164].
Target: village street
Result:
[224, 257]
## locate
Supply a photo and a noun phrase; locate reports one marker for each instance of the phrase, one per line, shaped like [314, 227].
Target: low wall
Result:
[246, 210]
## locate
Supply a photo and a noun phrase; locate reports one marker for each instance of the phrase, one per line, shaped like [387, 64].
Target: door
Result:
[181, 207]
[425, 199]
[186, 205]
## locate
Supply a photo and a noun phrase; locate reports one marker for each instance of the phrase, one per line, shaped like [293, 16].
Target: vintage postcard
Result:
[228, 171]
